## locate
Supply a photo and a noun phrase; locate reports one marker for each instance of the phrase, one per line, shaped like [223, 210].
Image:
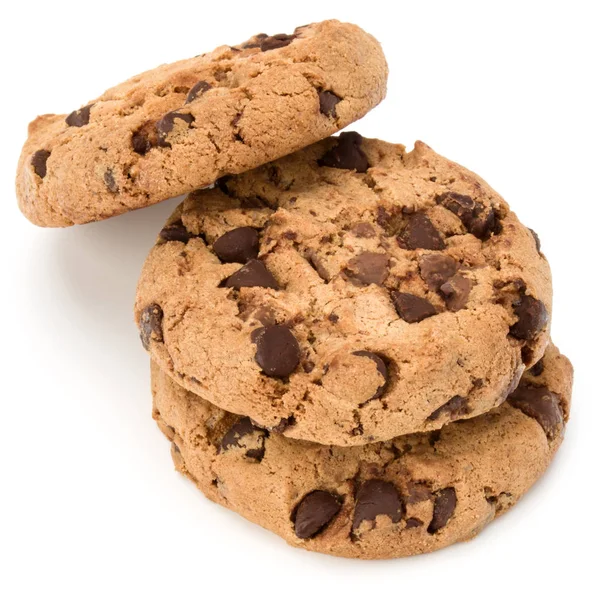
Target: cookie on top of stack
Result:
[350, 342]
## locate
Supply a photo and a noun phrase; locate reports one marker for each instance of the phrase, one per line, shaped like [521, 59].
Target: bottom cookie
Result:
[411, 495]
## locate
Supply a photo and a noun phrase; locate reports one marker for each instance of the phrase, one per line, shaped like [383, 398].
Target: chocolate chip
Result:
[141, 144]
[252, 274]
[381, 367]
[536, 239]
[279, 40]
[241, 429]
[110, 182]
[367, 268]
[417, 492]
[144, 138]
[347, 154]
[327, 103]
[79, 118]
[284, 424]
[333, 317]
[412, 308]
[538, 368]
[456, 407]
[165, 125]
[314, 513]
[363, 230]
[197, 90]
[255, 42]
[526, 355]
[456, 292]
[317, 264]
[277, 351]
[412, 523]
[540, 404]
[420, 233]
[177, 457]
[38, 162]
[256, 453]
[436, 269]
[484, 223]
[478, 220]
[532, 318]
[151, 325]
[377, 497]
[443, 509]
[221, 183]
[461, 205]
[238, 245]
[175, 232]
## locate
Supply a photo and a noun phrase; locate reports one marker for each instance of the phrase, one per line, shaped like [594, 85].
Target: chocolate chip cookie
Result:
[180, 126]
[349, 293]
[410, 495]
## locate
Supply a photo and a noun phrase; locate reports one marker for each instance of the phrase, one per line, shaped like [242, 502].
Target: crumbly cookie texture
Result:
[411, 495]
[350, 293]
[181, 126]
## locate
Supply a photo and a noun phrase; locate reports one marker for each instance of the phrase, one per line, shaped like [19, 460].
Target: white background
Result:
[90, 505]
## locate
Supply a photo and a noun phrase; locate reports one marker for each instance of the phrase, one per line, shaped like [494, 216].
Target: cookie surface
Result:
[347, 307]
[180, 126]
[411, 495]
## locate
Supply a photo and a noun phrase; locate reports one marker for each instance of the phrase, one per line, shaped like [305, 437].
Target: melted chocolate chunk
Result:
[327, 103]
[436, 269]
[277, 350]
[443, 508]
[532, 318]
[456, 292]
[381, 367]
[253, 274]
[79, 118]
[279, 40]
[456, 407]
[314, 513]
[538, 368]
[540, 404]
[477, 219]
[411, 308]
[347, 154]
[536, 239]
[413, 522]
[110, 182]
[238, 245]
[420, 233]
[241, 429]
[284, 424]
[377, 497]
[144, 139]
[151, 325]
[363, 230]
[368, 268]
[197, 90]
[175, 232]
[165, 125]
[38, 162]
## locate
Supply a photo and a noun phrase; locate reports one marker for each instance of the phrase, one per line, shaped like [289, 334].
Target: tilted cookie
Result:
[350, 293]
[414, 494]
[180, 126]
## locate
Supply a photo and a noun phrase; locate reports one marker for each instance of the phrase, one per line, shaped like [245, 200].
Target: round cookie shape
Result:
[181, 126]
[410, 495]
[396, 299]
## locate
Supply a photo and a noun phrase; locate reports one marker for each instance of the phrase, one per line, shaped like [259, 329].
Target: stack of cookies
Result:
[349, 342]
